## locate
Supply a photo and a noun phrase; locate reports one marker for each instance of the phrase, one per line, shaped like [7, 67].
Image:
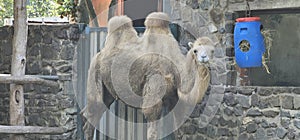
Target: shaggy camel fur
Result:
[154, 68]
[120, 33]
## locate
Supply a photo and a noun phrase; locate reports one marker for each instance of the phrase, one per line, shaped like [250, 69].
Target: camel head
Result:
[202, 50]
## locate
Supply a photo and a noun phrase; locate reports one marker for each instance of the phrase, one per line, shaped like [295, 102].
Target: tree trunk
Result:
[82, 13]
[16, 110]
[86, 12]
[112, 8]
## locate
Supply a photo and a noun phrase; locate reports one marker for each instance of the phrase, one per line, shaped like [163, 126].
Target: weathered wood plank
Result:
[18, 63]
[102, 39]
[141, 125]
[31, 130]
[6, 78]
[93, 44]
[130, 120]
[264, 4]
[112, 121]
[122, 121]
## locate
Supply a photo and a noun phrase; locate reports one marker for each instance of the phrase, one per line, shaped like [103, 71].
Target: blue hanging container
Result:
[248, 42]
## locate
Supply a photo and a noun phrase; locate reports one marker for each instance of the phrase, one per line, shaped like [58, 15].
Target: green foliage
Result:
[40, 8]
[6, 10]
[67, 8]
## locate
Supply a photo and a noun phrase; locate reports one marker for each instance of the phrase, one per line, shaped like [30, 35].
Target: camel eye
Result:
[195, 51]
[213, 51]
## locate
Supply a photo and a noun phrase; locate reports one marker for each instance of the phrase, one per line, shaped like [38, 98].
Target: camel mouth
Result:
[203, 60]
[204, 63]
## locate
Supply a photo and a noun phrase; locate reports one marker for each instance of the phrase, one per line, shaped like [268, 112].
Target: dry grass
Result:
[245, 46]
[268, 44]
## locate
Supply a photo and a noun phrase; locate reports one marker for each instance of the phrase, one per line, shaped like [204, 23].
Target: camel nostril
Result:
[203, 56]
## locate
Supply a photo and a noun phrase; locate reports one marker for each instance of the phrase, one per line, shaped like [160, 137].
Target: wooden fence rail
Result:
[26, 79]
[31, 130]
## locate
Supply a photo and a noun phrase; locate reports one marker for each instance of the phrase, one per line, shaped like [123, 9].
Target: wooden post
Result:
[31, 130]
[16, 110]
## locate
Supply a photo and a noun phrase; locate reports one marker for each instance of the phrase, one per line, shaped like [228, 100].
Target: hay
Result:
[268, 44]
[244, 46]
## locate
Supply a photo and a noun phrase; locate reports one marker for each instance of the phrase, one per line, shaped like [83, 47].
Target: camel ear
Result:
[190, 44]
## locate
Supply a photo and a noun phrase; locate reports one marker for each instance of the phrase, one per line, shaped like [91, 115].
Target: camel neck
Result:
[192, 71]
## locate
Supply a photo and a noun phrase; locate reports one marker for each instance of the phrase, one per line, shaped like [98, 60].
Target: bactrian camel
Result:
[152, 66]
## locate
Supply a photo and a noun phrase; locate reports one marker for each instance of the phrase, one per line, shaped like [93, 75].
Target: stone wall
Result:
[198, 18]
[230, 110]
[50, 51]
[249, 113]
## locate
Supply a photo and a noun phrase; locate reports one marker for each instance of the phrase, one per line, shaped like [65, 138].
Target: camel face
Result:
[202, 49]
[203, 53]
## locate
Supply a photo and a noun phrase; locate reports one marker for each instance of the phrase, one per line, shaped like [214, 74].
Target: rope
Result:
[248, 11]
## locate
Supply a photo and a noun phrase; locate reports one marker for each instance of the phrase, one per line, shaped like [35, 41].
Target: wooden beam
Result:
[18, 63]
[31, 130]
[26, 79]
[265, 4]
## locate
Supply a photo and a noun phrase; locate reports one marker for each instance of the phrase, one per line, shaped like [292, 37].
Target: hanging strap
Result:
[248, 11]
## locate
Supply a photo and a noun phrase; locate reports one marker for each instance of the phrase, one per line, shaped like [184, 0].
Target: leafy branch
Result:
[41, 8]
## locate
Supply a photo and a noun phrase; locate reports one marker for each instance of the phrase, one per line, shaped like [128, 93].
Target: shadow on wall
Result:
[284, 62]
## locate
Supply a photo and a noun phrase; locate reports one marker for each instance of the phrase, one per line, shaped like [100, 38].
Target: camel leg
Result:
[91, 120]
[152, 106]
[152, 133]
[152, 114]
[168, 124]
[92, 113]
